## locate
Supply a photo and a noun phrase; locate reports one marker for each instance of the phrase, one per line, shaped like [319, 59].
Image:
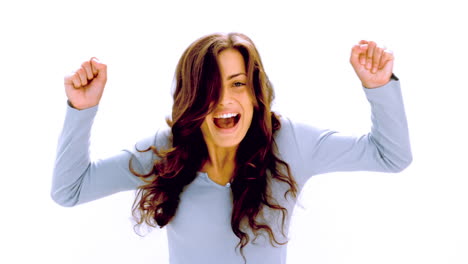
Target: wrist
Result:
[373, 85]
[79, 107]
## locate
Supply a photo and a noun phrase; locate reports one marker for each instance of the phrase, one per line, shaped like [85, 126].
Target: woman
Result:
[224, 178]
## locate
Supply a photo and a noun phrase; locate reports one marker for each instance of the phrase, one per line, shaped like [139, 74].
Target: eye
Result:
[238, 84]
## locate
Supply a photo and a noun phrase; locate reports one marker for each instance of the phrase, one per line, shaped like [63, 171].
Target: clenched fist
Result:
[372, 64]
[85, 86]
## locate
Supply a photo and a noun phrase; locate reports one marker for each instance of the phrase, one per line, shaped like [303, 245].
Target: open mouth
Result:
[226, 121]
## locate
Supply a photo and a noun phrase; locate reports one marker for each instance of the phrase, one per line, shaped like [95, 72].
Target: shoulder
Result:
[286, 131]
[286, 138]
[142, 152]
[298, 139]
[293, 131]
[161, 139]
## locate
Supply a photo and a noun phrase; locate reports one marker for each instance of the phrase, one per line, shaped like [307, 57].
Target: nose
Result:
[226, 97]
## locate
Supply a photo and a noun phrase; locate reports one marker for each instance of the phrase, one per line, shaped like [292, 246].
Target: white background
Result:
[418, 216]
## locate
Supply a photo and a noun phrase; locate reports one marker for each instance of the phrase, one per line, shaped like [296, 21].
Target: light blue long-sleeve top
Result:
[200, 232]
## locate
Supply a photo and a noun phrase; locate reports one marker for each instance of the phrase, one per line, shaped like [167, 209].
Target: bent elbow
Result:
[402, 164]
[407, 163]
[63, 200]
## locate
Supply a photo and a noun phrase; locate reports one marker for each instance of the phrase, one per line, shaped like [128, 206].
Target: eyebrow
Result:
[235, 75]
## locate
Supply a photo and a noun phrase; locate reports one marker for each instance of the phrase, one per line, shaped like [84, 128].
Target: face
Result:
[228, 124]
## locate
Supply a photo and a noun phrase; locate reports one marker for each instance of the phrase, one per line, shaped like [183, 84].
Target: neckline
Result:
[208, 179]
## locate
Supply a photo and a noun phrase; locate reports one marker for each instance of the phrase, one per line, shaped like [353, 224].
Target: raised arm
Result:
[77, 179]
[385, 148]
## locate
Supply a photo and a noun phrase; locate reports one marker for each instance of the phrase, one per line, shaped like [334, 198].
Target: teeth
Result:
[228, 115]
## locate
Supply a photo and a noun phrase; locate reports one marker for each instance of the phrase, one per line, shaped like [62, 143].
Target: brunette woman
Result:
[224, 177]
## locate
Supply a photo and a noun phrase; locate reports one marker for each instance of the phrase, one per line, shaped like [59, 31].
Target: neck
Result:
[220, 164]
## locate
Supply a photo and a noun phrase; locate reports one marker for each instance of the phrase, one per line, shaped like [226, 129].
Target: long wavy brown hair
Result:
[197, 92]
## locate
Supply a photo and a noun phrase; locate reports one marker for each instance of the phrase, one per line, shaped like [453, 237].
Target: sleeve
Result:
[386, 148]
[76, 179]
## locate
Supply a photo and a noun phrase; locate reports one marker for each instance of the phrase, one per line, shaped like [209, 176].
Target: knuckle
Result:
[76, 82]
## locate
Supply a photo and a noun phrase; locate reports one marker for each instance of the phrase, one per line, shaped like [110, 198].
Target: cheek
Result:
[249, 104]
[204, 128]
[248, 111]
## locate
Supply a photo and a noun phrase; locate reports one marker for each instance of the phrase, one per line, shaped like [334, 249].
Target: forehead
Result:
[230, 62]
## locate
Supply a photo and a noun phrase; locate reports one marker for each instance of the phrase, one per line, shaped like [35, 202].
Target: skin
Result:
[235, 98]
[372, 64]
[84, 88]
